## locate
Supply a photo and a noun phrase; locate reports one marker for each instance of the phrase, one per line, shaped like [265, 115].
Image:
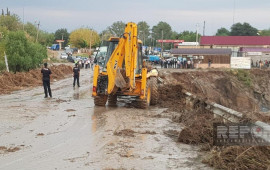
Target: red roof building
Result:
[235, 40]
[235, 43]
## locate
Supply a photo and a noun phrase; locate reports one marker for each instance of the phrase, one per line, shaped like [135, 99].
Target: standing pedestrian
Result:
[92, 63]
[46, 73]
[76, 75]
[209, 63]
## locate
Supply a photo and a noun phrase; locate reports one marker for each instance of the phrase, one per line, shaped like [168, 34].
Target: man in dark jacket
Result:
[46, 72]
[76, 75]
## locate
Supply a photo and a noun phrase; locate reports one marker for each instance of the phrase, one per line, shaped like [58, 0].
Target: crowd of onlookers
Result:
[260, 64]
[174, 63]
[179, 64]
[87, 63]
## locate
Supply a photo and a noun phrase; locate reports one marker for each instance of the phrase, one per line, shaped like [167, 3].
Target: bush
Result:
[22, 54]
[243, 76]
[2, 66]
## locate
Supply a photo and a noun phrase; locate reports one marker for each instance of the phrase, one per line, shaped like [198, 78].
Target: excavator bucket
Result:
[119, 80]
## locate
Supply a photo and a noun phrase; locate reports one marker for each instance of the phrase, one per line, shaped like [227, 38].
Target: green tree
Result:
[223, 32]
[117, 28]
[188, 36]
[23, 54]
[175, 35]
[265, 32]
[45, 38]
[11, 22]
[31, 29]
[143, 31]
[81, 38]
[104, 36]
[244, 29]
[162, 28]
[62, 33]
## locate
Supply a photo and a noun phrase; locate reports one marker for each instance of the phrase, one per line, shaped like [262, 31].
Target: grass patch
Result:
[82, 55]
[243, 76]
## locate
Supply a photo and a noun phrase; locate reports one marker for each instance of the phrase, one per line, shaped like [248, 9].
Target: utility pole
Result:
[233, 10]
[162, 44]
[197, 26]
[23, 19]
[204, 28]
[90, 43]
[37, 30]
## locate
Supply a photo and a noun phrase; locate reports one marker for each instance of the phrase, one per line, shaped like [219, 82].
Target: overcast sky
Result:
[180, 14]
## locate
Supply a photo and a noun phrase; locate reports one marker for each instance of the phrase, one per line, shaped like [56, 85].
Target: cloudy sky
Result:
[180, 14]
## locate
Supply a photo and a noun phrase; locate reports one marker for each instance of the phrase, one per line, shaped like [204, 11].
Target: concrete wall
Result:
[202, 65]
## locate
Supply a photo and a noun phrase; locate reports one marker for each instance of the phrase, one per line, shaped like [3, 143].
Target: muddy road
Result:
[69, 132]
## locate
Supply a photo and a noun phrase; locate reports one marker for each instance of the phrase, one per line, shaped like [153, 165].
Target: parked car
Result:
[55, 47]
[69, 51]
[63, 56]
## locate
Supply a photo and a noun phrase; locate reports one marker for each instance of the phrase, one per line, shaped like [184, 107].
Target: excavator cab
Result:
[123, 73]
[113, 42]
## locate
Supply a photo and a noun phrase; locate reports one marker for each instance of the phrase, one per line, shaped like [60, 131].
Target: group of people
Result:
[174, 63]
[88, 63]
[260, 64]
[46, 76]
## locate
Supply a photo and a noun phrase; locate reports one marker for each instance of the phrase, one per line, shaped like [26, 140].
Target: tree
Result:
[81, 38]
[265, 32]
[62, 33]
[223, 32]
[165, 28]
[143, 31]
[31, 29]
[11, 22]
[188, 36]
[104, 36]
[117, 28]
[45, 38]
[23, 54]
[244, 29]
[175, 35]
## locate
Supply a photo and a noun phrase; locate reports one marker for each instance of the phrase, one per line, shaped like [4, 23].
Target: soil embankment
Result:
[10, 82]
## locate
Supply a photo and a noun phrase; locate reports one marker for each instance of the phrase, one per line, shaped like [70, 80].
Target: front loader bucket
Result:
[119, 80]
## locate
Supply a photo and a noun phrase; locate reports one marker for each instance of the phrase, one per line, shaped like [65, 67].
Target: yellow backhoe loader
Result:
[122, 72]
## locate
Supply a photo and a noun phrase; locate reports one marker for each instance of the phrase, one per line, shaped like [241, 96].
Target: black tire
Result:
[100, 100]
[154, 90]
[112, 100]
[144, 103]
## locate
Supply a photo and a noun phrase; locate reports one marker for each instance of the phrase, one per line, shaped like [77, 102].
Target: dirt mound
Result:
[198, 130]
[236, 157]
[10, 82]
[170, 96]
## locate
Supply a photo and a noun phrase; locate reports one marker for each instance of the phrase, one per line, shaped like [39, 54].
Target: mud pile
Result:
[10, 82]
[243, 93]
[236, 157]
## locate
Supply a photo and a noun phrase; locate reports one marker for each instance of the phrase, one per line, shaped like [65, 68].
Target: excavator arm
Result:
[124, 55]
